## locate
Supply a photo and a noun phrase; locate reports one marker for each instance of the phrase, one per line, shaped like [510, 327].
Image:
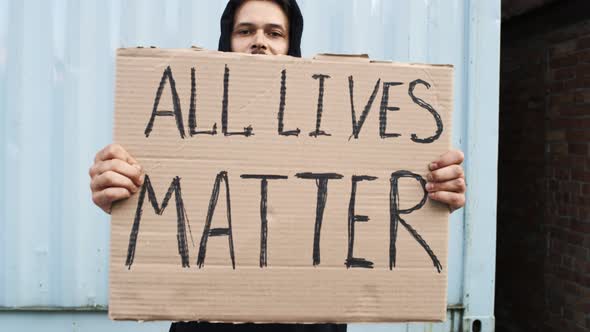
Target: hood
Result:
[295, 27]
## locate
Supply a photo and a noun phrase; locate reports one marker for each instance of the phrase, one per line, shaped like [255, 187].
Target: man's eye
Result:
[243, 32]
[275, 34]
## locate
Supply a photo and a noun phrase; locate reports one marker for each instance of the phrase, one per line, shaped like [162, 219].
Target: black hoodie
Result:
[295, 26]
[295, 31]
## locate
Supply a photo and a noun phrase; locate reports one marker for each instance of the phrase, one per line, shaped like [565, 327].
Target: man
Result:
[271, 27]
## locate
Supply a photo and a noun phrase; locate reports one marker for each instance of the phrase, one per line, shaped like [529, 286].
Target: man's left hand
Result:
[446, 180]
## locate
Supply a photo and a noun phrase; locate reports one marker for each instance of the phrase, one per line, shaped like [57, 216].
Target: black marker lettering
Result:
[207, 231]
[352, 219]
[192, 114]
[177, 113]
[423, 104]
[384, 109]
[320, 109]
[356, 126]
[322, 184]
[181, 218]
[263, 204]
[395, 217]
[247, 130]
[282, 107]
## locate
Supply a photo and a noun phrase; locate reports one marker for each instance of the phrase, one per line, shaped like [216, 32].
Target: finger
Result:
[451, 157]
[445, 174]
[114, 151]
[110, 179]
[134, 172]
[456, 185]
[453, 200]
[105, 198]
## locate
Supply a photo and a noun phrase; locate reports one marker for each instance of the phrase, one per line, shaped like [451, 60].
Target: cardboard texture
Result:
[335, 233]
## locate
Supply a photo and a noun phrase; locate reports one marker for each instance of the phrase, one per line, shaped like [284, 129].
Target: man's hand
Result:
[115, 175]
[446, 180]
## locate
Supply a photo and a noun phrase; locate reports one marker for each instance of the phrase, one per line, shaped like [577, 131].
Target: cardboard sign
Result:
[279, 189]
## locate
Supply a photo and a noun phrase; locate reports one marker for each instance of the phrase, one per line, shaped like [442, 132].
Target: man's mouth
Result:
[258, 52]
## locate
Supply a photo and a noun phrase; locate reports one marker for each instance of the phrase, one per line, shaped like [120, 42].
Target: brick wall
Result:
[543, 255]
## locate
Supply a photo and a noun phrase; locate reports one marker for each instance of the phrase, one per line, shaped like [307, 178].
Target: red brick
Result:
[560, 35]
[561, 98]
[581, 175]
[583, 29]
[584, 56]
[576, 239]
[578, 149]
[577, 161]
[579, 166]
[572, 84]
[564, 74]
[560, 123]
[564, 61]
[557, 86]
[572, 110]
[583, 213]
[571, 287]
[556, 243]
[570, 187]
[578, 252]
[565, 109]
[580, 83]
[583, 43]
[563, 48]
[577, 136]
[558, 148]
[562, 174]
[582, 227]
[581, 70]
[581, 200]
[582, 96]
[545, 139]
[562, 210]
[559, 234]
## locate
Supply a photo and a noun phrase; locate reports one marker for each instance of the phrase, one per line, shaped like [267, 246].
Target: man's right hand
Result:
[115, 175]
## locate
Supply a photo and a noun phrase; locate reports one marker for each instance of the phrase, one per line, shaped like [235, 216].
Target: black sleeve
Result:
[224, 327]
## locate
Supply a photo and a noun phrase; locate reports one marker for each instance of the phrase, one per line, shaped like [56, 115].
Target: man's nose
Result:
[259, 41]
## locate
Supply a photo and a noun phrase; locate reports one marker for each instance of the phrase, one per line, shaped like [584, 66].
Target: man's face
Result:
[260, 27]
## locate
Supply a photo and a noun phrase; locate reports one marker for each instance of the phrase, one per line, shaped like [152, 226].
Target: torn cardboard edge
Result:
[324, 57]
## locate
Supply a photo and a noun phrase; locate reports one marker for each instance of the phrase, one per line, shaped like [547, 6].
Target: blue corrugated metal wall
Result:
[56, 105]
